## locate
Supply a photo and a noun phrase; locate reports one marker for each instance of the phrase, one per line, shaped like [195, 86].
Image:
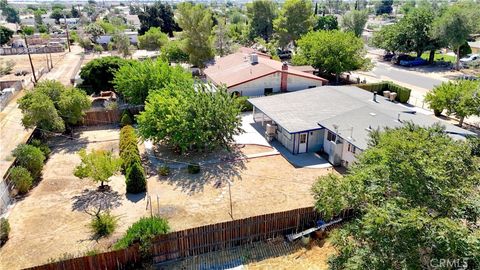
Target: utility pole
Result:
[66, 28]
[30, 58]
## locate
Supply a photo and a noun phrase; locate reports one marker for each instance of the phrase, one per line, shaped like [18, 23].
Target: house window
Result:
[331, 136]
[351, 148]
[267, 91]
[303, 138]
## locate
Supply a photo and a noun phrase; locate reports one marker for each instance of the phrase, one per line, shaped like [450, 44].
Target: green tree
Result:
[5, 35]
[222, 41]
[387, 38]
[190, 119]
[39, 111]
[38, 17]
[122, 42]
[196, 22]
[57, 14]
[459, 98]
[454, 27]
[98, 165]
[21, 178]
[383, 7]
[173, 52]
[355, 21]
[95, 31]
[158, 15]
[152, 40]
[98, 74]
[327, 22]
[10, 13]
[30, 158]
[261, 14]
[74, 12]
[415, 191]
[137, 79]
[295, 20]
[408, 6]
[331, 52]
[135, 179]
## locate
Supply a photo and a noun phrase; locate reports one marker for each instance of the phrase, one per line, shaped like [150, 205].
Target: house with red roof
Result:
[251, 73]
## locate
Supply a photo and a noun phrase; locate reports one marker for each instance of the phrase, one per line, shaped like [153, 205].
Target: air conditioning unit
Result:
[253, 58]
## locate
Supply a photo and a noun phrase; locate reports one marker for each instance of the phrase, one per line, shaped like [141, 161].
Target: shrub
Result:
[21, 178]
[4, 230]
[126, 120]
[143, 231]
[103, 224]
[193, 168]
[244, 104]
[163, 170]
[135, 178]
[42, 146]
[31, 158]
[403, 93]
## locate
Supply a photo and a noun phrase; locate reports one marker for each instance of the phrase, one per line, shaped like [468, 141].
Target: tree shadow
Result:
[136, 197]
[96, 199]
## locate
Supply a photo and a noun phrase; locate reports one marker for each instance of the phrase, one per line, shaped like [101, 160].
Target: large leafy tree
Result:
[152, 40]
[136, 79]
[295, 20]
[355, 21]
[95, 30]
[261, 14]
[196, 22]
[122, 43]
[459, 98]
[98, 165]
[5, 35]
[189, 118]
[416, 193]
[222, 41]
[455, 25]
[52, 106]
[10, 13]
[173, 52]
[97, 75]
[158, 15]
[331, 52]
[327, 22]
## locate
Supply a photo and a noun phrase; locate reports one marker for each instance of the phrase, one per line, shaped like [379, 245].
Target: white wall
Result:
[257, 87]
[349, 156]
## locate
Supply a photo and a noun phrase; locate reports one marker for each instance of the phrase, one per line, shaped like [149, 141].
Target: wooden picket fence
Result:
[118, 259]
[225, 235]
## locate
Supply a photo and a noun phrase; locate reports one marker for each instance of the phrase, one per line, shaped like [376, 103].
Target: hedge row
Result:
[403, 93]
[131, 162]
[244, 104]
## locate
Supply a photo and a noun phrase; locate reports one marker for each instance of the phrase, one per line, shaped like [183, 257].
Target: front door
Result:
[302, 143]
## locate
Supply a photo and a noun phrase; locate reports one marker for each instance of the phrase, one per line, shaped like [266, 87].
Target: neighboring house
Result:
[249, 73]
[334, 120]
[475, 46]
[105, 39]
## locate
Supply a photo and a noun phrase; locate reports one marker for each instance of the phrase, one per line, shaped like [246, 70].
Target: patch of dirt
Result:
[23, 63]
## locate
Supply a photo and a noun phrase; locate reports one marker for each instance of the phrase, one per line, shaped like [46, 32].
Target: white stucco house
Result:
[251, 73]
[334, 121]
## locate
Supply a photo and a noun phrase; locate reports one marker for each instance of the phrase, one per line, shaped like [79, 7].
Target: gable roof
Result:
[235, 69]
[345, 110]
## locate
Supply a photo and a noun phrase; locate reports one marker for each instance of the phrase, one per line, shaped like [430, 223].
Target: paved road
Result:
[383, 70]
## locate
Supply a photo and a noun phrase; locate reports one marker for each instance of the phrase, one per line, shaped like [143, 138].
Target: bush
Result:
[164, 170]
[21, 178]
[403, 93]
[103, 224]
[135, 179]
[128, 147]
[4, 231]
[193, 168]
[244, 104]
[42, 146]
[31, 158]
[143, 231]
[126, 120]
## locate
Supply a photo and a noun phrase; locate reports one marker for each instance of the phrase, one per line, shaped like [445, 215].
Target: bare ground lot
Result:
[50, 222]
[22, 63]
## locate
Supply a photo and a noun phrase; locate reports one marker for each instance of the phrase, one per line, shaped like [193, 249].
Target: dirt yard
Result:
[50, 221]
[22, 63]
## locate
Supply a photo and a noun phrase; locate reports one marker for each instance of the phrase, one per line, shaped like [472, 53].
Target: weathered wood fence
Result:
[209, 238]
[102, 117]
[14, 51]
[119, 259]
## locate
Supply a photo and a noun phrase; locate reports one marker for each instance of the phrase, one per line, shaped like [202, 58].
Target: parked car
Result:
[468, 77]
[413, 63]
[470, 58]
[401, 57]
[388, 57]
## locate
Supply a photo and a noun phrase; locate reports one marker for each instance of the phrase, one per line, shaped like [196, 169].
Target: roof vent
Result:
[373, 114]
[253, 58]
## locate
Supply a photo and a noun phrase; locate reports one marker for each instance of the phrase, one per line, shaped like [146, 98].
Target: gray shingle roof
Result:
[347, 110]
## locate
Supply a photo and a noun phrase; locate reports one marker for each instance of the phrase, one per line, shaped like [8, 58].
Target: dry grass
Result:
[22, 63]
[49, 221]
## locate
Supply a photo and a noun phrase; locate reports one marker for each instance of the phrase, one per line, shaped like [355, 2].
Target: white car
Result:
[470, 58]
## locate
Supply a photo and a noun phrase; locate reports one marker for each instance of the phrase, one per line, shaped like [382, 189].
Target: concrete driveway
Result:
[253, 132]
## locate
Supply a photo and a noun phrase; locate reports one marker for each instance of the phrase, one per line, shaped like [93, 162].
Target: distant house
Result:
[475, 46]
[251, 73]
[334, 120]
[105, 39]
